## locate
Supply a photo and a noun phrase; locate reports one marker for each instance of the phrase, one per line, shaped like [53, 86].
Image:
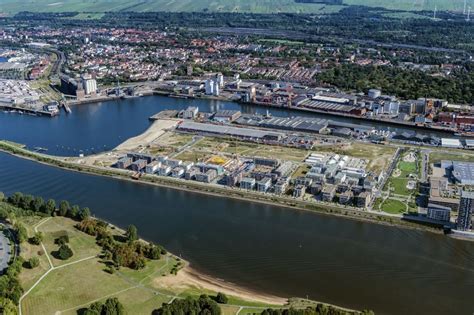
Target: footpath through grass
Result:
[84, 278]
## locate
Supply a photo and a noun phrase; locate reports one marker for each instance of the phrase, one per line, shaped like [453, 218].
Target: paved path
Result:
[51, 267]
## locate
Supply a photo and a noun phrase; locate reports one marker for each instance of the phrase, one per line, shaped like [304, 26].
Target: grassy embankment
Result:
[57, 286]
[82, 279]
[169, 182]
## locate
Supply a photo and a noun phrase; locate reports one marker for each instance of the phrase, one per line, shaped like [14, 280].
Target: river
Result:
[97, 127]
[262, 247]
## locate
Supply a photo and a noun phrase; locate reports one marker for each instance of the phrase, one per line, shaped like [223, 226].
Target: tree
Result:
[64, 252]
[63, 239]
[2, 196]
[37, 238]
[63, 208]
[26, 202]
[7, 307]
[154, 252]
[132, 233]
[33, 262]
[84, 213]
[16, 199]
[4, 214]
[49, 207]
[37, 204]
[112, 306]
[73, 212]
[202, 306]
[221, 298]
[21, 232]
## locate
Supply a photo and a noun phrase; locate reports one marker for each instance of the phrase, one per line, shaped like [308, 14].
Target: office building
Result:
[124, 162]
[153, 167]
[264, 184]
[466, 206]
[138, 165]
[438, 213]
[247, 183]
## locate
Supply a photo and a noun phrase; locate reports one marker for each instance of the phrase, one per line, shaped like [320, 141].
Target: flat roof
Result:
[450, 142]
[227, 130]
[467, 194]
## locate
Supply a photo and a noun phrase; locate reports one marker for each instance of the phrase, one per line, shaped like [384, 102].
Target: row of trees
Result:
[10, 288]
[111, 306]
[319, 309]
[204, 305]
[407, 84]
[127, 251]
[39, 206]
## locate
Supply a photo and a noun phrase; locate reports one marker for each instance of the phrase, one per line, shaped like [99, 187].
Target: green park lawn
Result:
[393, 206]
[407, 167]
[75, 283]
[82, 245]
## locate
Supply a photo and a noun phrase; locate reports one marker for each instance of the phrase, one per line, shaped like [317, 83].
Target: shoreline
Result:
[321, 209]
[368, 121]
[188, 276]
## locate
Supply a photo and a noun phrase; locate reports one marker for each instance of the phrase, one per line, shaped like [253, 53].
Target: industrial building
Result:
[242, 133]
[191, 112]
[451, 143]
[460, 172]
[226, 116]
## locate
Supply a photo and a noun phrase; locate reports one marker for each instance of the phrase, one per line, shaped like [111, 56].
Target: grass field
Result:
[393, 206]
[87, 16]
[82, 245]
[216, 145]
[81, 280]
[438, 156]
[379, 156]
[407, 167]
[256, 6]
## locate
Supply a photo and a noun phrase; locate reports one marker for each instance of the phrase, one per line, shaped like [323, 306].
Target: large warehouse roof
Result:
[228, 130]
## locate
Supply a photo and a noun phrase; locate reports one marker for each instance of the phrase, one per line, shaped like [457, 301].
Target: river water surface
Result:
[262, 247]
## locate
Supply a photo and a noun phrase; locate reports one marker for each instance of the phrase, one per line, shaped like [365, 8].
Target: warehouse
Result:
[451, 143]
[461, 172]
[243, 133]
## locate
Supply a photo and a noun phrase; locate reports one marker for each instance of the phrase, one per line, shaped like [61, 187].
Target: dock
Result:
[21, 110]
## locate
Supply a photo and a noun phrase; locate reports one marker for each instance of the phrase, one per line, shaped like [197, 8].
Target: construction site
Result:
[285, 163]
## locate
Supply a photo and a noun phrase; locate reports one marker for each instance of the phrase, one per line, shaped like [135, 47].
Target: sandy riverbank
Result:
[189, 278]
[156, 129]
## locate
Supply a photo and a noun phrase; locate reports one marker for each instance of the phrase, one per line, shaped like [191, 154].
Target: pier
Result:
[21, 110]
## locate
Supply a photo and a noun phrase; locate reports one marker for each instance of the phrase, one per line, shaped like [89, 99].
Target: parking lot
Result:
[4, 251]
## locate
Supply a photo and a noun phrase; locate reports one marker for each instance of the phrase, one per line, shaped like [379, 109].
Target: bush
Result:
[36, 239]
[63, 239]
[33, 262]
[221, 298]
[64, 252]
